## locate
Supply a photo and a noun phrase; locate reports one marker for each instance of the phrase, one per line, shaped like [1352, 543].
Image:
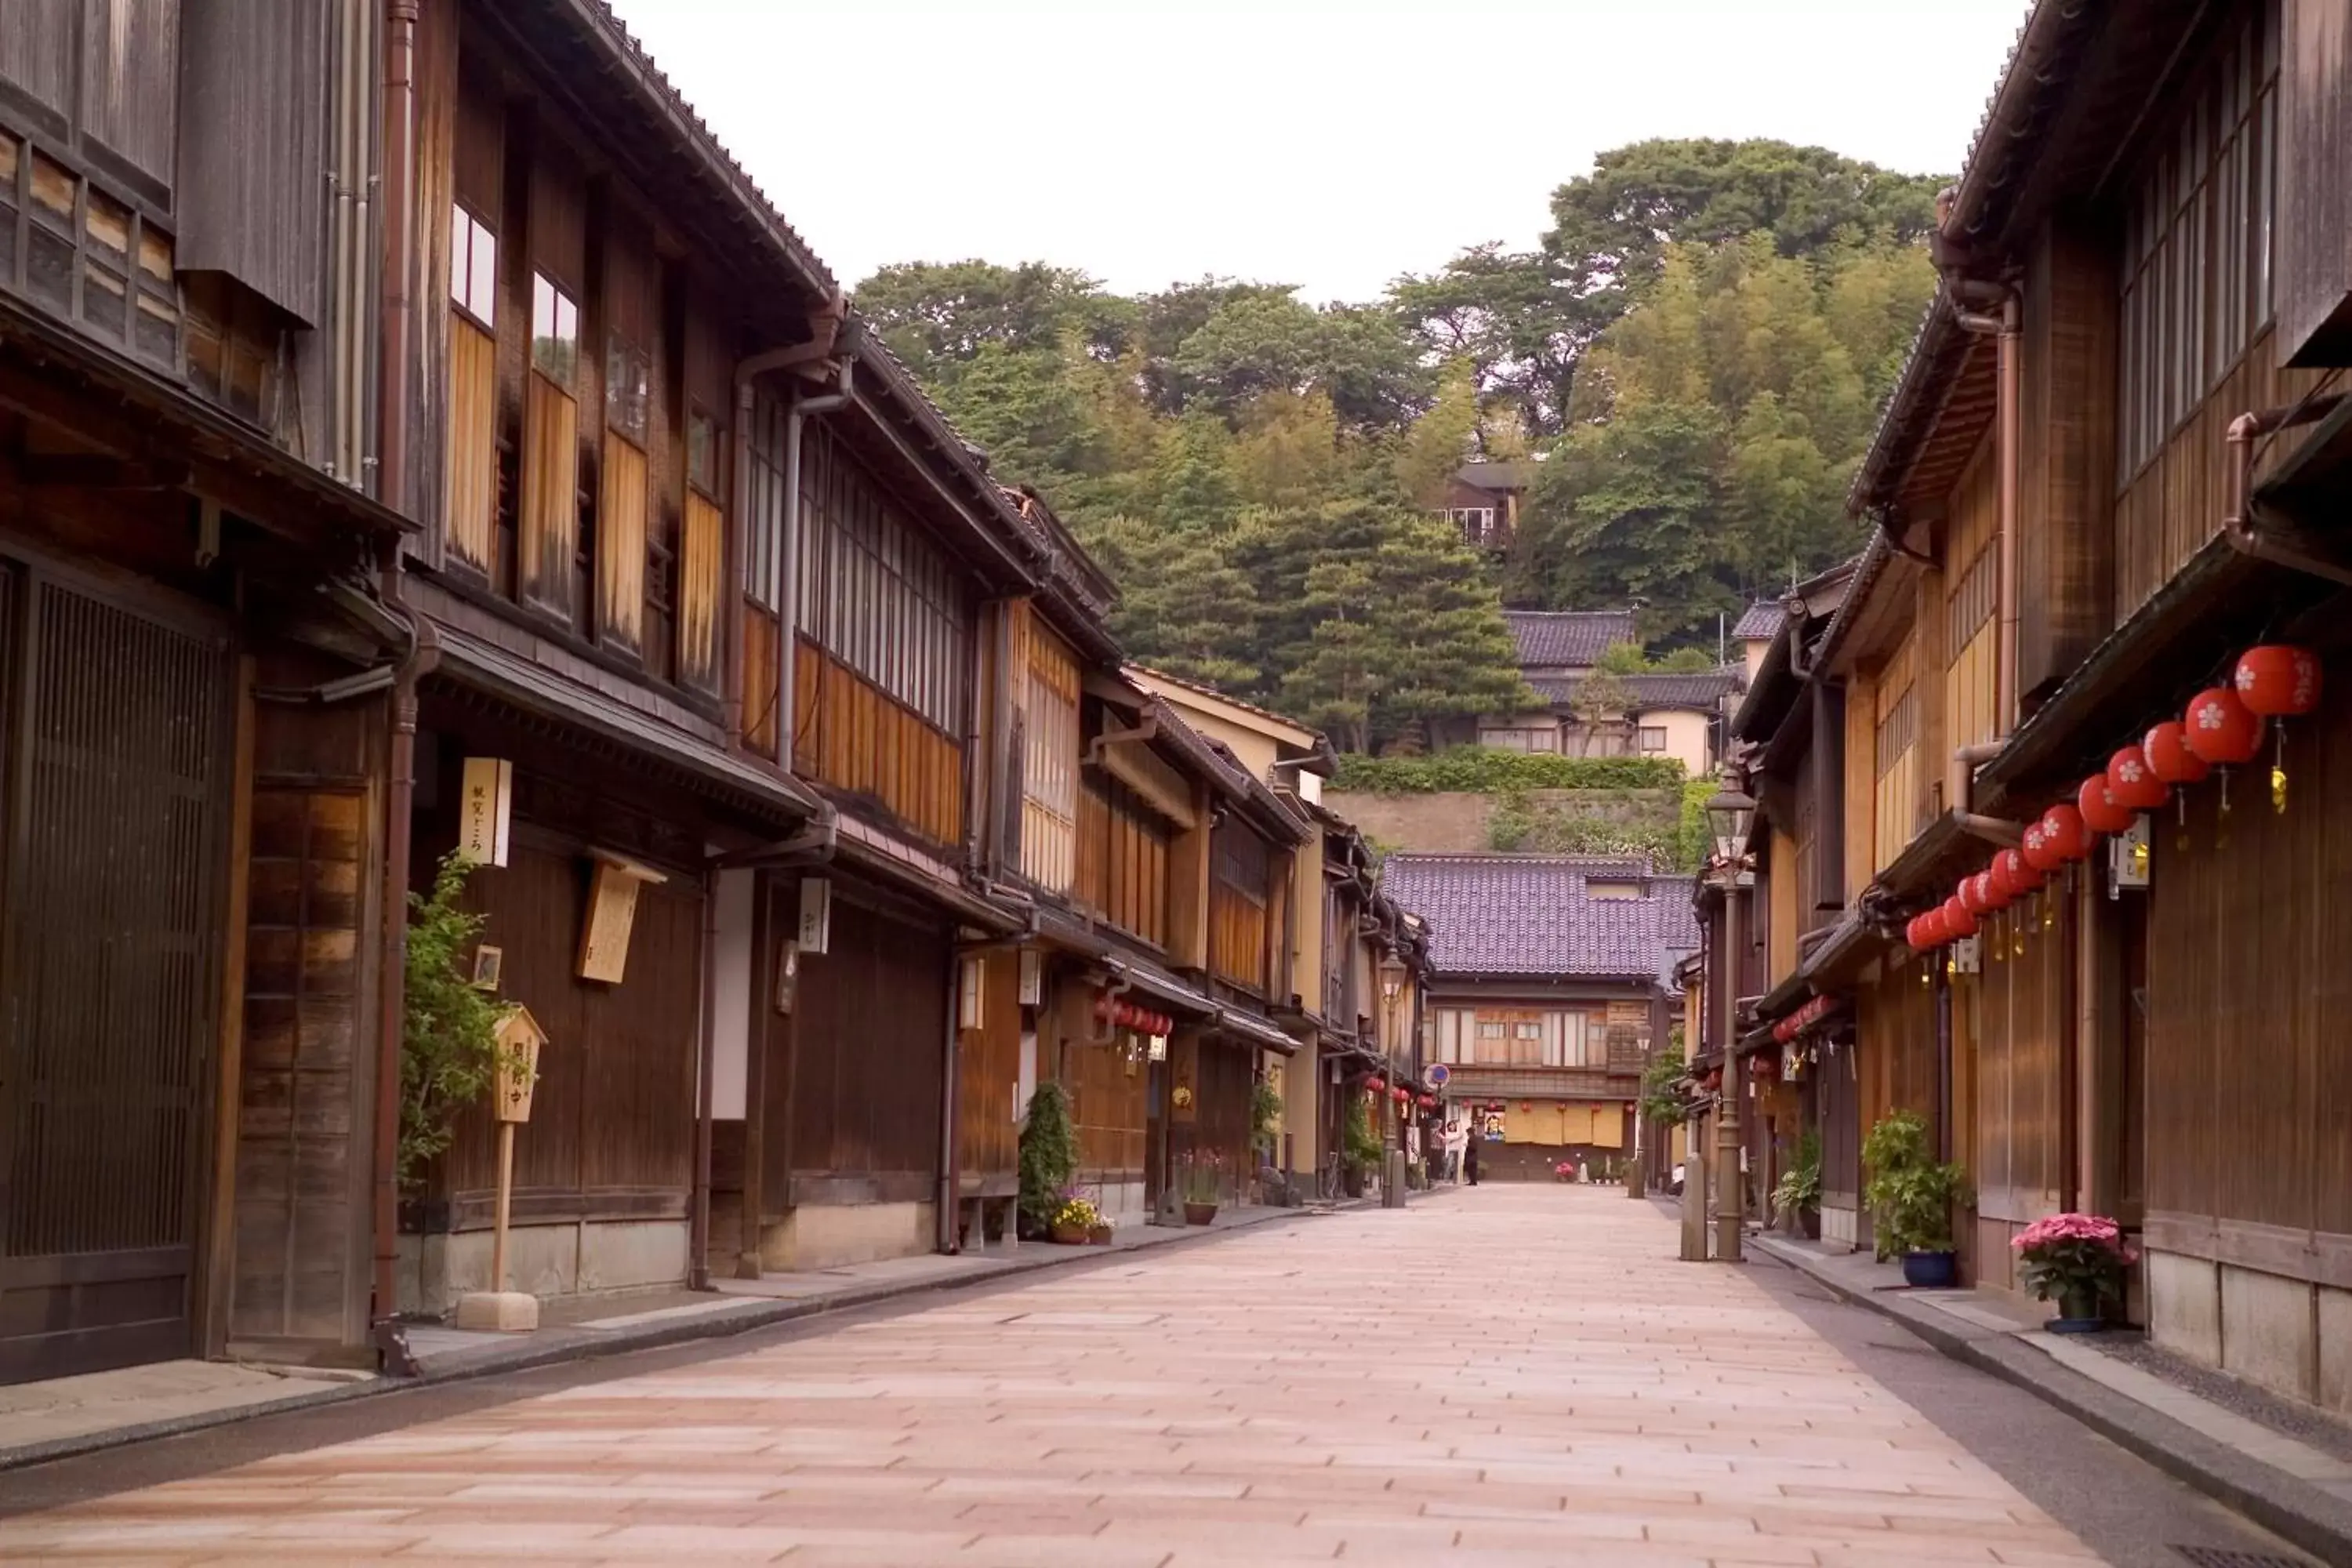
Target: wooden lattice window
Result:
[551, 516]
[1049, 772]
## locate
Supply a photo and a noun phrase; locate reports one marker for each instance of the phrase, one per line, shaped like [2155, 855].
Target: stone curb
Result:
[590, 1345]
[2294, 1511]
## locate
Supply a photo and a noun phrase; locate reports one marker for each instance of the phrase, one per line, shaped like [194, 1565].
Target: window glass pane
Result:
[554, 332]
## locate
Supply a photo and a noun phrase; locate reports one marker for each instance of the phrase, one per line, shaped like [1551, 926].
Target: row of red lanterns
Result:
[1803, 1018]
[1127, 1016]
[2223, 727]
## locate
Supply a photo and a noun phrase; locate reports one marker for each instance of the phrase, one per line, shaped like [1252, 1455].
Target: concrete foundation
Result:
[1842, 1227]
[2290, 1336]
[821, 1235]
[576, 1258]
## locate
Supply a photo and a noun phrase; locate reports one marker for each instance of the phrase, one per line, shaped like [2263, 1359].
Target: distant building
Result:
[1549, 984]
[1482, 500]
[1754, 632]
[1658, 715]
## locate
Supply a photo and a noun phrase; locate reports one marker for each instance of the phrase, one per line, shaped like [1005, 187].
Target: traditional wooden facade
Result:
[196, 658]
[1550, 981]
[2113, 463]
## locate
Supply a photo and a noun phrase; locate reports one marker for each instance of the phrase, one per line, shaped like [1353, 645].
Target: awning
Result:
[1257, 1031]
[870, 855]
[1161, 986]
[598, 723]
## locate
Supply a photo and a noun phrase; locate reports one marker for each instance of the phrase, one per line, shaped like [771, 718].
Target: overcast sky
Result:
[1328, 145]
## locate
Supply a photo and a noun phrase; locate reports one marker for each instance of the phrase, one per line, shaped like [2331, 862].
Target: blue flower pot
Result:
[1931, 1270]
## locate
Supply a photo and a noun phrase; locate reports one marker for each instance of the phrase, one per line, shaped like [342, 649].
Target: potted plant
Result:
[1074, 1220]
[1565, 1170]
[1100, 1232]
[1797, 1197]
[1049, 1157]
[1203, 1185]
[1910, 1195]
[2078, 1260]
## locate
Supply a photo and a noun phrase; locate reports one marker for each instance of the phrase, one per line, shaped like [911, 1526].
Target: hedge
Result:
[1480, 770]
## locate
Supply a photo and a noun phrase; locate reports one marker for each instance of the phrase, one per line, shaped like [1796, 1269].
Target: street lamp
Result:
[1392, 978]
[1729, 812]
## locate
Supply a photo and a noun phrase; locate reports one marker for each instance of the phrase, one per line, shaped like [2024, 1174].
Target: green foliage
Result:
[1909, 1193]
[1629, 659]
[1265, 1109]
[1360, 1142]
[1696, 351]
[1519, 825]
[1800, 1186]
[1661, 1100]
[1481, 770]
[449, 1042]
[1049, 1152]
[1694, 837]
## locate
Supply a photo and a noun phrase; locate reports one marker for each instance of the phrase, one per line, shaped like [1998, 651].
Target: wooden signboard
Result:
[612, 912]
[519, 1037]
[486, 811]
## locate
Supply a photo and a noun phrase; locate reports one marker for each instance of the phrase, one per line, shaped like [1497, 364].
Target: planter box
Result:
[1199, 1214]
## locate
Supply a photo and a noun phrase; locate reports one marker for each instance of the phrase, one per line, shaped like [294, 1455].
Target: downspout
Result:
[697, 1264]
[399, 201]
[788, 594]
[2240, 525]
[824, 325]
[400, 796]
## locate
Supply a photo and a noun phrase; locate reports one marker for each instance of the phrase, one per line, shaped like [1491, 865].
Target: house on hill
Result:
[1550, 981]
[1482, 500]
[1656, 715]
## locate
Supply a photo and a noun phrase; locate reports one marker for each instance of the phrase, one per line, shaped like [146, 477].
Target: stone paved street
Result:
[1510, 1375]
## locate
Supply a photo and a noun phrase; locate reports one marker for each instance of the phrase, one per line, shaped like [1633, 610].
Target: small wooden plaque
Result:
[519, 1037]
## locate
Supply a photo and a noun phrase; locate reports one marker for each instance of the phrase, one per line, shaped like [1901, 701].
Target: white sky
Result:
[1330, 145]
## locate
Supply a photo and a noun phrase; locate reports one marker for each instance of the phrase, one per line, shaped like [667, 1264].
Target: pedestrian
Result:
[1470, 1160]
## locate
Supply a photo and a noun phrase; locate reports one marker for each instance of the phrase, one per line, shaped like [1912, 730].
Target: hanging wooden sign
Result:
[485, 811]
[612, 914]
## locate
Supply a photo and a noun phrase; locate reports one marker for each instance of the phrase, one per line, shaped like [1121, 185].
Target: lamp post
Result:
[1729, 812]
[1392, 1133]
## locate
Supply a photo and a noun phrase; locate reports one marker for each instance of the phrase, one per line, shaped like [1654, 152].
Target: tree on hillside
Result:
[1526, 319]
[1715, 429]
[1184, 606]
[939, 315]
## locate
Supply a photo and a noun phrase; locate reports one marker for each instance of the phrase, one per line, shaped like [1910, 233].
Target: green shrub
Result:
[1909, 1195]
[448, 1035]
[1049, 1153]
[1363, 1144]
[1694, 838]
[1519, 825]
[1482, 770]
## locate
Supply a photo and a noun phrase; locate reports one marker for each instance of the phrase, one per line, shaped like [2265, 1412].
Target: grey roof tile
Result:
[1568, 637]
[1531, 914]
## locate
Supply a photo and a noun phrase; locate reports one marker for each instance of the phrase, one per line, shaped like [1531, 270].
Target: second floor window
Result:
[1476, 522]
[473, 456]
[473, 268]
[548, 549]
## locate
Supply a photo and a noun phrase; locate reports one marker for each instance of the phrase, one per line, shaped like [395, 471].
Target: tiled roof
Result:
[1487, 476]
[1701, 693]
[1568, 637]
[1762, 620]
[1530, 914]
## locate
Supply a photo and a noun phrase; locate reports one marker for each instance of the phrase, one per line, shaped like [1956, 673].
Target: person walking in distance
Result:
[1470, 1158]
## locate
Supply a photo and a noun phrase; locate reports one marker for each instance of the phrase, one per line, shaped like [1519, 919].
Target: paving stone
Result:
[1334, 1390]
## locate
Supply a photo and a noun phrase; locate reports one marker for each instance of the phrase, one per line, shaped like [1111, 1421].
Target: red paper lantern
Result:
[2100, 810]
[2134, 788]
[1959, 921]
[1971, 894]
[1374, 1083]
[2169, 757]
[2037, 850]
[2221, 729]
[1914, 933]
[2013, 871]
[2064, 835]
[2278, 679]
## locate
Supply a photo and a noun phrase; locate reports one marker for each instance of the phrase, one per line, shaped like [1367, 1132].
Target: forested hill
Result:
[1694, 351]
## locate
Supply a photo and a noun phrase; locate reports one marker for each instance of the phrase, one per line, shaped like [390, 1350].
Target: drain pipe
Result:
[400, 799]
[824, 325]
[2005, 330]
[2240, 526]
[399, 204]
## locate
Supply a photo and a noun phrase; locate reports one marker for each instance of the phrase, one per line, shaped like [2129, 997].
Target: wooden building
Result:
[197, 658]
[2113, 463]
[1550, 981]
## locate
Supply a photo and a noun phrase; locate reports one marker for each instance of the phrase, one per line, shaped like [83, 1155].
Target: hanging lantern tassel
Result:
[2180, 841]
[2278, 772]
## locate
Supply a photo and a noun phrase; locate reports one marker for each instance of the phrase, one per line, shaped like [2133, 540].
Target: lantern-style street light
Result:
[1729, 812]
[1392, 979]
